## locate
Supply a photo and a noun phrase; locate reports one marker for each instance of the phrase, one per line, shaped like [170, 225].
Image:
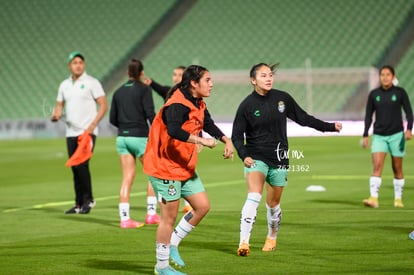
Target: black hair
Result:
[389, 67]
[254, 69]
[180, 67]
[135, 68]
[191, 73]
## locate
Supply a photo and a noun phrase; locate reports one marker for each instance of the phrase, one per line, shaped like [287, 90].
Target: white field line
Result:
[215, 184]
[114, 197]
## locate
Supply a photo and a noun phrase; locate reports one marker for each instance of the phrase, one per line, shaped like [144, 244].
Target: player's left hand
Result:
[338, 126]
[91, 128]
[408, 135]
[228, 150]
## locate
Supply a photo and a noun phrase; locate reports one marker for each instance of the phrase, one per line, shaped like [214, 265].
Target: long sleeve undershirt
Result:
[176, 114]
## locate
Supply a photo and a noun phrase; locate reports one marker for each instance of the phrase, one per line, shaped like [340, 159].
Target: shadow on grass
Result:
[343, 202]
[87, 218]
[135, 266]
[226, 248]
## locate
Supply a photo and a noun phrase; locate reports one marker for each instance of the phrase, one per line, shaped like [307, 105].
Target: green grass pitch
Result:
[327, 232]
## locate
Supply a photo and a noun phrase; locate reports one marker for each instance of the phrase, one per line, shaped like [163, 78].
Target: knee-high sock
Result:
[274, 217]
[162, 251]
[151, 205]
[181, 230]
[398, 188]
[374, 186]
[248, 216]
[124, 211]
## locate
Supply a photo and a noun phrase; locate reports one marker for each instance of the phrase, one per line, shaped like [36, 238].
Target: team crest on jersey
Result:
[281, 106]
[394, 98]
[171, 190]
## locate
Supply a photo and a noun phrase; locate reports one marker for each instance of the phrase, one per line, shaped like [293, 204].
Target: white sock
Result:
[181, 230]
[163, 254]
[186, 203]
[274, 217]
[398, 188]
[374, 186]
[124, 211]
[151, 205]
[248, 216]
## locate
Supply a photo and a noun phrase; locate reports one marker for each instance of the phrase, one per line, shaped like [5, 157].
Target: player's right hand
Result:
[249, 162]
[209, 142]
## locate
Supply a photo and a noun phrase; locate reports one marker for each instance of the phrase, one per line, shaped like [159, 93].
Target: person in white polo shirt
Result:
[84, 101]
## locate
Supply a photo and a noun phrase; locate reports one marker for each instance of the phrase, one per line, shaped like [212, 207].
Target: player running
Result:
[259, 136]
[170, 160]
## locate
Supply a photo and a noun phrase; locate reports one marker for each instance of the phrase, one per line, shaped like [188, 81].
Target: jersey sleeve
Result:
[97, 89]
[369, 111]
[238, 132]
[174, 117]
[408, 110]
[60, 97]
[148, 104]
[297, 114]
[210, 127]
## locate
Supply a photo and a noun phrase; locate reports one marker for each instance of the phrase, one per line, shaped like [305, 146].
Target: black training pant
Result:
[81, 175]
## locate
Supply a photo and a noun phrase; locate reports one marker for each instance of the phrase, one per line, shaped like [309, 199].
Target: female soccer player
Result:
[387, 101]
[259, 136]
[162, 91]
[170, 160]
[132, 109]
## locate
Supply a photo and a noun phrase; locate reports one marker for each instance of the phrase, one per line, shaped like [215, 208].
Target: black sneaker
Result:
[92, 204]
[73, 210]
[86, 208]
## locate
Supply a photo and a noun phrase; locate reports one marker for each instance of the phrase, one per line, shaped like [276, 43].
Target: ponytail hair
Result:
[135, 68]
[191, 73]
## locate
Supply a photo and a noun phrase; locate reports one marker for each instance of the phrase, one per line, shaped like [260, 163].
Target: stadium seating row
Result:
[221, 35]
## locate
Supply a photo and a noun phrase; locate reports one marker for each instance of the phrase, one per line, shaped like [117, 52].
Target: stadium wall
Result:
[29, 129]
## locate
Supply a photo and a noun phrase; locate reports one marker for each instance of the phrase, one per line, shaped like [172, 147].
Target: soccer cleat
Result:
[187, 208]
[398, 203]
[243, 250]
[175, 257]
[270, 245]
[131, 224]
[73, 210]
[152, 219]
[411, 235]
[371, 202]
[167, 271]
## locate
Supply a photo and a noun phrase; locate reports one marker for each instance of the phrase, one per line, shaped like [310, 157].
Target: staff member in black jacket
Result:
[259, 136]
[387, 101]
[163, 90]
[132, 110]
